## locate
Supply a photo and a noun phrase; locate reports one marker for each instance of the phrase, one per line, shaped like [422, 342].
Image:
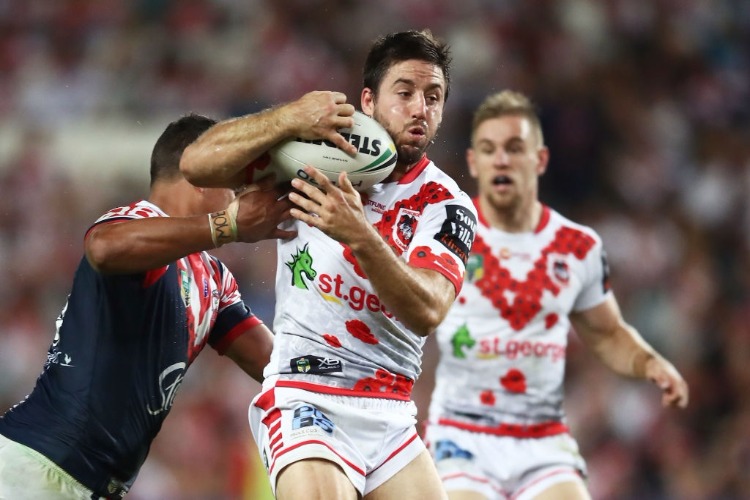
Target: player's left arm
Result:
[419, 298]
[620, 346]
[251, 351]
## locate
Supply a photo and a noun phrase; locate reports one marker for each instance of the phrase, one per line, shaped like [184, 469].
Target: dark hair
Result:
[165, 157]
[397, 47]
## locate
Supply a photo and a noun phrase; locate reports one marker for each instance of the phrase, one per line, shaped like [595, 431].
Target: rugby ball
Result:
[374, 161]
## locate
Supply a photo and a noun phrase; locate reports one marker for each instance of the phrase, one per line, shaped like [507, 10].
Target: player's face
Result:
[409, 105]
[507, 159]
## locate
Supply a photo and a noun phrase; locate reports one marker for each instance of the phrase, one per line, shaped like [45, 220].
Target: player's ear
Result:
[367, 101]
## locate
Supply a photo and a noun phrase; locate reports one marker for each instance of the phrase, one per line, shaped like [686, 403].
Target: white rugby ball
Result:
[374, 161]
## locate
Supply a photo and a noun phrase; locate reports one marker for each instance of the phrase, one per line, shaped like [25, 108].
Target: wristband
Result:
[223, 227]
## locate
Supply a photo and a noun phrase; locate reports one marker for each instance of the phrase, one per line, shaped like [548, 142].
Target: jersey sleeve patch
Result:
[458, 231]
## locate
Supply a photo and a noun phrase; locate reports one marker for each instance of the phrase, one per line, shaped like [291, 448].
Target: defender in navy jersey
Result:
[146, 299]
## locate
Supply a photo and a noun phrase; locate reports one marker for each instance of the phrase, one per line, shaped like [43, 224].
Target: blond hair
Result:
[505, 103]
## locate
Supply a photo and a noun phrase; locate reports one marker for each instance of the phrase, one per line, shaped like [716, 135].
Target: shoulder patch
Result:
[458, 231]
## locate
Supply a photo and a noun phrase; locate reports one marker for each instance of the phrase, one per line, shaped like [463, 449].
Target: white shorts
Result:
[371, 439]
[501, 467]
[27, 474]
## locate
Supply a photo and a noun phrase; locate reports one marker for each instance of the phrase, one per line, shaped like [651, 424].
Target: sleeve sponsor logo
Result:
[458, 230]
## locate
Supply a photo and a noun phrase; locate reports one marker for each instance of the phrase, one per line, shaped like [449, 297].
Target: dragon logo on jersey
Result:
[404, 229]
[462, 339]
[561, 271]
[301, 265]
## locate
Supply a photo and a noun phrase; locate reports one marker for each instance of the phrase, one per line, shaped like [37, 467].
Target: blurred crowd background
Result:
[645, 105]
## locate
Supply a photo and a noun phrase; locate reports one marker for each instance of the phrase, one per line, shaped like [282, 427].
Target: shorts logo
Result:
[445, 449]
[301, 267]
[314, 364]
[308, 416]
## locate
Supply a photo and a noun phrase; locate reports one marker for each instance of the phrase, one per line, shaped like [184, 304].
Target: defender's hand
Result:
[260, 209]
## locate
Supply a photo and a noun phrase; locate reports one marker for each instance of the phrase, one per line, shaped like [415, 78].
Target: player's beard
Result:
[408, 154]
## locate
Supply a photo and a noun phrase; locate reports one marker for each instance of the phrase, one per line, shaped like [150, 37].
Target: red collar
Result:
[414, 172]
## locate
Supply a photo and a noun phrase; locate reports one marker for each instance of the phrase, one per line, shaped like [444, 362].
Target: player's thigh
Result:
[314, 479]
[572, 489]
[417, 481]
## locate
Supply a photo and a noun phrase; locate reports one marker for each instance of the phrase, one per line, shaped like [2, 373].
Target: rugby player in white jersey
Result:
[360, 287]
[496, 425]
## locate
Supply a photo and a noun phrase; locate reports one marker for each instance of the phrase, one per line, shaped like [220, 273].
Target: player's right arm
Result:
[219, 157]
[620, 347]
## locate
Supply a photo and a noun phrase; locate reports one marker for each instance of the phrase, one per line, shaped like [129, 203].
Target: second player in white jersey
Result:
[496, 424]
[503, 342]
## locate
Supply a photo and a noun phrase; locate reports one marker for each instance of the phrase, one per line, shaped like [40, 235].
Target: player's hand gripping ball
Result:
[374, 161]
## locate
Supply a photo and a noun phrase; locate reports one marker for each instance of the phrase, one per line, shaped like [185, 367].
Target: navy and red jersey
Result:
[122, 346]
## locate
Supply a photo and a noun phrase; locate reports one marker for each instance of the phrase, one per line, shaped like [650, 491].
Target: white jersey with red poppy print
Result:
[503, 343]
[333, 334]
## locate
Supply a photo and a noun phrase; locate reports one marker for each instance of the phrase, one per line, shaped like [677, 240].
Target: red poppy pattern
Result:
[497, 280]
[359, 329]
[514, 381]
[431, 192]
[386, 382]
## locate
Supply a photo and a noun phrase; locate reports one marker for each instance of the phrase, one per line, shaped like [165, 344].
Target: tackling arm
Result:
[218, 157]
[622, 349]
[251, 351]
[137, 245]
